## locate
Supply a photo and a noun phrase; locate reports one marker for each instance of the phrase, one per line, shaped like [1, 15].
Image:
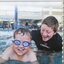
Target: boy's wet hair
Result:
[52, 22]
[22, 31]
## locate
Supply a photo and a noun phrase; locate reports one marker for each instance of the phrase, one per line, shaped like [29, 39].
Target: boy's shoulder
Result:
[32, 56]
[7, 53]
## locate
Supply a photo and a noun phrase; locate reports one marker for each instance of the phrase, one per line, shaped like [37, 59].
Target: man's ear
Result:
[55, 33]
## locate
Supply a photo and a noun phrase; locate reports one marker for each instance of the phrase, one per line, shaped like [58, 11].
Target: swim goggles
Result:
[24, 43]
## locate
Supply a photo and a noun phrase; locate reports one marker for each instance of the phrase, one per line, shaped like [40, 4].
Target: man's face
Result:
[20, 49]
[46, 32]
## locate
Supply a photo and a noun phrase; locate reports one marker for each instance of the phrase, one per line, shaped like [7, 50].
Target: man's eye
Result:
[42, 30]
[48, 32]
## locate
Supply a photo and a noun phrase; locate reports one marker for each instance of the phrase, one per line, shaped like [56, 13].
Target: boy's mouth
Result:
[21, 49]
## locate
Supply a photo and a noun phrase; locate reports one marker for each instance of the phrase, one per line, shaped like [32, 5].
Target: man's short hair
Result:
[52, 22]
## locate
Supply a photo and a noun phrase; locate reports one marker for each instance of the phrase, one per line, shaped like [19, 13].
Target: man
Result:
[48, 41]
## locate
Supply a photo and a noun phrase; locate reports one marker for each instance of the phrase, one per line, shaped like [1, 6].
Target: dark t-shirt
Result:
[54, 44]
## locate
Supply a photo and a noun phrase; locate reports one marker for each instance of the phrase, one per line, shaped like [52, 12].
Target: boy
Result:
[20, 50]
[48, 41]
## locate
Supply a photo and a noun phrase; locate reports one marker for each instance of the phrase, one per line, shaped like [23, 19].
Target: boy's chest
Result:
[25, 58]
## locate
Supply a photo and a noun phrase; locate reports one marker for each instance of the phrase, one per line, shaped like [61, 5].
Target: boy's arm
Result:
[35, 62]
[33, 58]
[2, 60]
[5, 55]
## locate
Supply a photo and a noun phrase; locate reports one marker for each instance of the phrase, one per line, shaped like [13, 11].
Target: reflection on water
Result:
[5, 37]
[5, 41]
[4, 44]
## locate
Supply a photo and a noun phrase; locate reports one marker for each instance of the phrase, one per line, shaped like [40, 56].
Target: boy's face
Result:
[46, 32]
[20, 49]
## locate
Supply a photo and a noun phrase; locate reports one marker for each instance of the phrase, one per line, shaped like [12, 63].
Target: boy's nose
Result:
[21, 45]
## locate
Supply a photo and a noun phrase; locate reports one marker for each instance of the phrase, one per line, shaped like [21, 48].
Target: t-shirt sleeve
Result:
[58, 43]
[34, 34]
